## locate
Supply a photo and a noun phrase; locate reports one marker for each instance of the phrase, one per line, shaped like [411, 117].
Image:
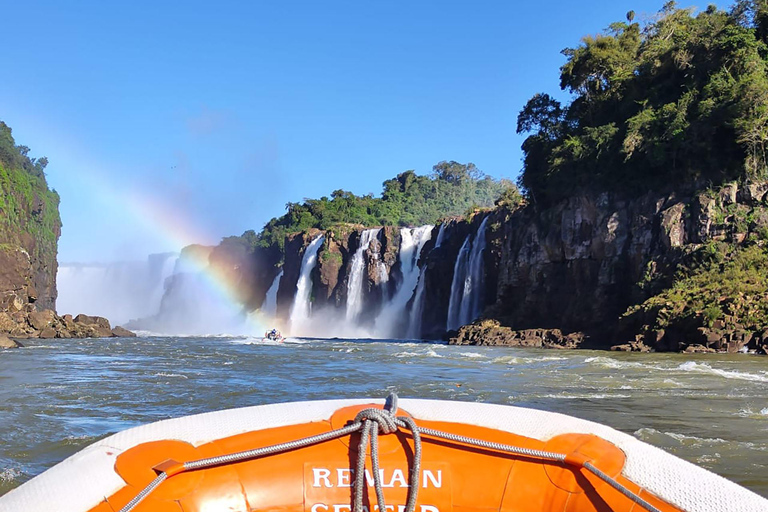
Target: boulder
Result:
[7, 323]
[48, 333]
[41, 319]
[632, 346]
[698, 349]
[120, 332]
[672, 226]
[490, 332]
[6, 342]
[753, 193]
[728, 194]
[93, 320]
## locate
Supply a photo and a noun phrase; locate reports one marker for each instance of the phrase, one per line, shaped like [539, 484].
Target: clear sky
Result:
[168, 123]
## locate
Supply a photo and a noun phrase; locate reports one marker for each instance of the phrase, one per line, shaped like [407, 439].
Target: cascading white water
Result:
[169, 266]
[302, 308]
[417, 308]
[466, 301]
[381, 270]
[440, 235]
[390, 321]
[119, 291]
[457, 286]
[356, 273]
[269, 308]
[472, 296]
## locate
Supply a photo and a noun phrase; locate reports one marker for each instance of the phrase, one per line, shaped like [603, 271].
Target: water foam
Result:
[9, 474]
[693, 366]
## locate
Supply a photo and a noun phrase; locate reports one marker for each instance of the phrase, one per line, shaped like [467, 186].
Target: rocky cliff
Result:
[596, 270]
[30, 227]
[590, 263]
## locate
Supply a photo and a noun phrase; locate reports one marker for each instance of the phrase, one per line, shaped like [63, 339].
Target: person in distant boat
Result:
[273, 335]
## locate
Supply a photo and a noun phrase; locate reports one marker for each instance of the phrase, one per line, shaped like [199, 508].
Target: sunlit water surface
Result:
[58, 396]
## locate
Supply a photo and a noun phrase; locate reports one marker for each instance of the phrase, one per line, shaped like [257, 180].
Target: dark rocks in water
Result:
[492, 333]
[632, 346]
[698, 349]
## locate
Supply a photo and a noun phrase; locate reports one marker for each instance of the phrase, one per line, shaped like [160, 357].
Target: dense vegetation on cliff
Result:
[29, 211]
[29, 224]
[680, 99]
[407, 200]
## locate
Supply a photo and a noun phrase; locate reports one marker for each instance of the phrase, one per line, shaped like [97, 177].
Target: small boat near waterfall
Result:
[413, 456]
[273, 336]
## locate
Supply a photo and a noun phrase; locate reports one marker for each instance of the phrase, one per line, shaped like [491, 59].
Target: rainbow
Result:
[170, 224]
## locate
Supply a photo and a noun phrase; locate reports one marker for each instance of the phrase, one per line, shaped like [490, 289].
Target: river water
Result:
[58, 396]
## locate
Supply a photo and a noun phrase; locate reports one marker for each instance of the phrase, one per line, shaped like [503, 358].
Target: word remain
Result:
[345, 477]
[322, 507]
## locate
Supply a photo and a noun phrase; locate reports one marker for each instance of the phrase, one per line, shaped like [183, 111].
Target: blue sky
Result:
[190, 121]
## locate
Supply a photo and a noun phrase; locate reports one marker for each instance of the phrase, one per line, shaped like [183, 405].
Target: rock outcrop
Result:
[490, 332]
[47, 324]
[580, 265]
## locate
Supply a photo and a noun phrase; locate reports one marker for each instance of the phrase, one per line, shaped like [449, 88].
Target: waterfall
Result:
[269, 308]
[381, 270]
[301, 309]
[119, 291]
[417, 309]
[467, 287]
[392, 315]
[474, 282]
[356, 274]
[457, 286]
[169, 266]
[440, 235]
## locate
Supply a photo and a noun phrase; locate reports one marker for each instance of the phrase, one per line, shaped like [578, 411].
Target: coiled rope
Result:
[371, 422]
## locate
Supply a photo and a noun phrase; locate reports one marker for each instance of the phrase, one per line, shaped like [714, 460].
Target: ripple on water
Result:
[693, 366]
[700, 401]
[9, 474]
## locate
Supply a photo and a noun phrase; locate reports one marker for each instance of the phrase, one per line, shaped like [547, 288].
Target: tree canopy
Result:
[406, 200]
[13, 156]
[681, 98]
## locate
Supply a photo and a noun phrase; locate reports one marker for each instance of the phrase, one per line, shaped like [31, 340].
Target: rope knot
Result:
[382, 417]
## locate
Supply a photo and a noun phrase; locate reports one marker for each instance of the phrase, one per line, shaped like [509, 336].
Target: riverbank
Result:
[710, 341]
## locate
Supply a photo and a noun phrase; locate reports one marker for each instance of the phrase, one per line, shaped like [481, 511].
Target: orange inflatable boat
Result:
[369, 456]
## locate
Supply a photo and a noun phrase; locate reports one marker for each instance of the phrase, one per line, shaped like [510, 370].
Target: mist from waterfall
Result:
[467, 286]
[356, 275]
[392, 320]
[301, 309]
[118, 291]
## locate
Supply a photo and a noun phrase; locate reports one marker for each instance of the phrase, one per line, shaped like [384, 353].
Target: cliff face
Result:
[29, 230]
[589, 271]
[581, 265]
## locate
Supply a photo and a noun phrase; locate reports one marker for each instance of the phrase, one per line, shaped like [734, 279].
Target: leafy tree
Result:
[682, 99]
[406, 200]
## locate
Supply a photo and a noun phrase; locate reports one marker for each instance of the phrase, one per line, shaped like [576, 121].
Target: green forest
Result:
[27, 207]
[406, 200]
[680, 99]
